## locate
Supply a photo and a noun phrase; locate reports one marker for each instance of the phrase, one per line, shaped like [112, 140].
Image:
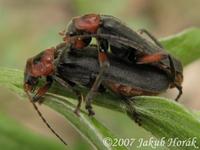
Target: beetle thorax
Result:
[44, 66]
[87, 23]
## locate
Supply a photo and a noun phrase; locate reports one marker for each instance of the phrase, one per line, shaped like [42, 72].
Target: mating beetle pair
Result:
[124, 43]
[134, 66]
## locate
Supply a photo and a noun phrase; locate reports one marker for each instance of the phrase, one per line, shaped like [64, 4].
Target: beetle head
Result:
[30, 81]
[41, 65]
[179, 72]
[178, 80]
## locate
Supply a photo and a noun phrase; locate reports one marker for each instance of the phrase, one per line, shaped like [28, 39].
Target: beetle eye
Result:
[71, 34]
[31, 80]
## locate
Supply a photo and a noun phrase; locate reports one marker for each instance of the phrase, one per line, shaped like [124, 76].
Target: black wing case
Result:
[82, 66]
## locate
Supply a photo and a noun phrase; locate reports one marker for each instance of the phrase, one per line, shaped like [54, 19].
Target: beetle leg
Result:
[141, 31]
[180, 91]
[96, 84]
[151, 58]
[104, 64]
[92, 92]
[80, 99]
[156, 58]
[75, 91]
[172, 67]
[42, 90]
[131, 111]
[173, 77]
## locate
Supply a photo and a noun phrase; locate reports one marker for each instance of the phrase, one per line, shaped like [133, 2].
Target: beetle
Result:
[124, 43]
[37, 67]
[79, 67]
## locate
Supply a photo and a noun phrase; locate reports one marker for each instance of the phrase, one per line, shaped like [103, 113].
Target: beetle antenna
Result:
[44, 120]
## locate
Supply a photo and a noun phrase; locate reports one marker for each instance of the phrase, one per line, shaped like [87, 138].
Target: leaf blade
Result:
[89, 128]
[185, 45]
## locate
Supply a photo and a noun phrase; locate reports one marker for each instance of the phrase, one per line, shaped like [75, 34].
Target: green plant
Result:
[15, 136]
[160, 116]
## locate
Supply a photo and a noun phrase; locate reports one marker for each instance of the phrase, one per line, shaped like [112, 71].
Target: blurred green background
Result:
[28, 27]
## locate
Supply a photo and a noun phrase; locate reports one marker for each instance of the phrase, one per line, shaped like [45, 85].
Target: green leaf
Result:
[15, 136]
[161, 117]
[89, 128]
[168, 119]
[185, 45]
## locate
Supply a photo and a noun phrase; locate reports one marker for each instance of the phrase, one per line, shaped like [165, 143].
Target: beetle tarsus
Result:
[180, 92]
[36, 98]
[90, 110]
[80, 99]
[131, 111]
[77, 112]
[88, 100]
[71, 88]
[137, 118]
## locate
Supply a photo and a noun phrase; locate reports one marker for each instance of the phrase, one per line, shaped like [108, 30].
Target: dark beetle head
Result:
[179, 72]
[41, 65]
[71, 29]
[30, 81]
[86, 24]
